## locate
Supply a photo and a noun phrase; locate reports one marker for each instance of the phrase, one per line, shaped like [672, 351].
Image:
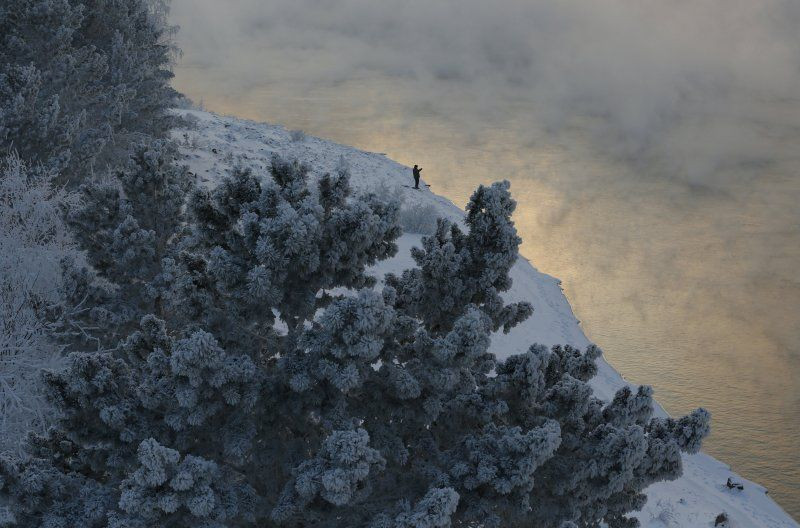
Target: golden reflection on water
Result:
[688, 289]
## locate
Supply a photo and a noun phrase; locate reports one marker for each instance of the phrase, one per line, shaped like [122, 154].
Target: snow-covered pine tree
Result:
[80, 81]
[608, 453]
[529, 446]
[125, 222]
[46, 83]
[262, 246]
[184, 400]
[377, 411]
[134, 38]
[477, 267]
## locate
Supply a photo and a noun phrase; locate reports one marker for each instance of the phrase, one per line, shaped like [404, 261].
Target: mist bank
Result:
[680, 90]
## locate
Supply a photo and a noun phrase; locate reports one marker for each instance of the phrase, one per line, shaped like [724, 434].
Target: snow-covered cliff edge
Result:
[214, 144]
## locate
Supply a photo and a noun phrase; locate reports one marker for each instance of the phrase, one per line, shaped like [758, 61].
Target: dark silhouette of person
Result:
[416, 171]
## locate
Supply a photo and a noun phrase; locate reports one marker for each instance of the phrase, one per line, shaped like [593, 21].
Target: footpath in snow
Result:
[213, 145]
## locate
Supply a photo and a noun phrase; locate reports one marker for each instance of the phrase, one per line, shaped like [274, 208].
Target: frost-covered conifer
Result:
[457, 269]
[259, 398]
[135, 41]
[182, 492]
[46, 83]
[530, 445]
[263, 244]
[125, 223]
[82, 80]
[175, 384]
[609, 452]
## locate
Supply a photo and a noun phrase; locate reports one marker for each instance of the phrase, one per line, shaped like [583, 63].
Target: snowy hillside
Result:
[214, 144]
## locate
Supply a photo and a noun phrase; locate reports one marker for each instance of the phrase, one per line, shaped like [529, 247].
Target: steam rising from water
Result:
[653, 145]
[688, 87]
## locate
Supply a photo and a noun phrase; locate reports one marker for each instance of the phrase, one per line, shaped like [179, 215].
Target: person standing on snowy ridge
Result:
[416, 171]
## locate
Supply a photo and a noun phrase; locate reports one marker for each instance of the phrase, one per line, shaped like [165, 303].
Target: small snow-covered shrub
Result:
[392, 193]
[191, 141]
[33, 241]
[419, 219]
[666, 513]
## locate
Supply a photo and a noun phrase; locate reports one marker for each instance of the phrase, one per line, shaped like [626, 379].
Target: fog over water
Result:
[653, 147]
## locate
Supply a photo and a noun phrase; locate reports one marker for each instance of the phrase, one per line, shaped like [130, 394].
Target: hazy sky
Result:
[685, 85]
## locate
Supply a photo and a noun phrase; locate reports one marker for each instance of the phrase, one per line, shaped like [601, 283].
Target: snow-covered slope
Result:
[214, 144]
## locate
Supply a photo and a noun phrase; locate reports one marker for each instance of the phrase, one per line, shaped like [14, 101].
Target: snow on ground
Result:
[213, 145]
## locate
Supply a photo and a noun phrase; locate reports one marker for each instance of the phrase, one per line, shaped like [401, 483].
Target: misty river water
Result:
[690, 288]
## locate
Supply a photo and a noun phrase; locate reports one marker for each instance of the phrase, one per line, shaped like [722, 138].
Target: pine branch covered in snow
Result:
[270, 245]
[457, 269]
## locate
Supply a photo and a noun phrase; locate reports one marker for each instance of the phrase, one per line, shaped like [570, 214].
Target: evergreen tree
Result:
[46, 83]
[458, 269]
[125, 222]
[134, 39]
[260, 398]
[81, 81]
[265, 246]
